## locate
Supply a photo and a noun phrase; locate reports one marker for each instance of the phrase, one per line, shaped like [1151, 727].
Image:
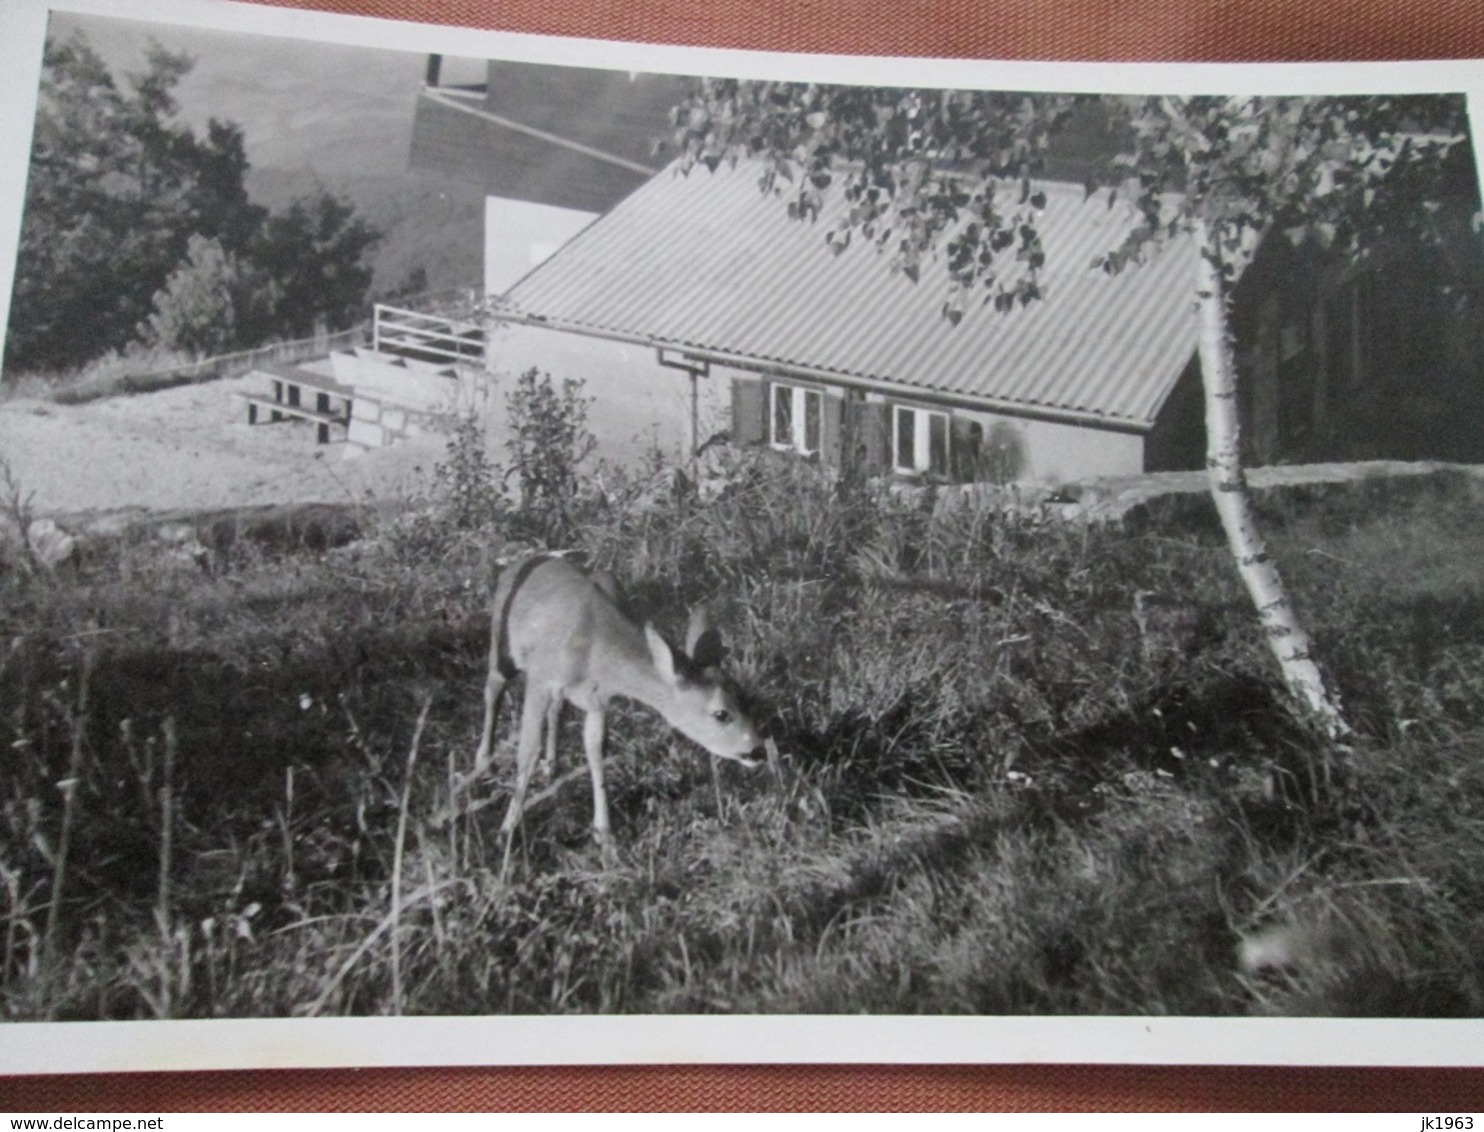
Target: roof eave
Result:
[863, 382]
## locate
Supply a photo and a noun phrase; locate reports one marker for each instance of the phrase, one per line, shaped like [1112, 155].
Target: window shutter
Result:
[964, 449]
[832, 423]
[749, 410]
[867, 424]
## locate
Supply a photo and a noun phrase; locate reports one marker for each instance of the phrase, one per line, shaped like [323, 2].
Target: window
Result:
[795, 420]
[919, 441]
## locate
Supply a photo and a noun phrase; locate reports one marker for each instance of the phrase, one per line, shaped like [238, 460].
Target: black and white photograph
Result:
[731, 557]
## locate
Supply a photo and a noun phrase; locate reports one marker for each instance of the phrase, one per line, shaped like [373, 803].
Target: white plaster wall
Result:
[1067, 453]
[638, 405]
[520, 235]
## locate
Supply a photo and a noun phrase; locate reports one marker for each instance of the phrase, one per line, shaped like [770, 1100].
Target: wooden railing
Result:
[428, 335]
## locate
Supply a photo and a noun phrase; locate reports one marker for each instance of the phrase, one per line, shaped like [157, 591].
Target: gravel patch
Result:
[190, 448]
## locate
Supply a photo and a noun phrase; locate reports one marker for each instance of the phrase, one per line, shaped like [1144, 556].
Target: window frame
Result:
[800, 398]
[922, 440]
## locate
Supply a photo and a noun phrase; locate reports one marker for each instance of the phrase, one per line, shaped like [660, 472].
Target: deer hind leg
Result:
[593, 729]
[532, 719]
[553, 719]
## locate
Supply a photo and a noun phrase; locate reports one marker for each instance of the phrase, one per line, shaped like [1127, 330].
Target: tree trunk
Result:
[1286, 637]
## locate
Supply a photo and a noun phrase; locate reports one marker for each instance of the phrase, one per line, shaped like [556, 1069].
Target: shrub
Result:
[467, 486]
[549, 442]
[197, 309]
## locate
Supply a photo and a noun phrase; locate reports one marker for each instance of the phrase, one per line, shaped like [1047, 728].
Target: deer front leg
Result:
[532, 719]
[592, 744]
[494, 689]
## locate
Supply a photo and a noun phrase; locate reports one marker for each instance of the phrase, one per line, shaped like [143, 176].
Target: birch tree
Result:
[955, 173]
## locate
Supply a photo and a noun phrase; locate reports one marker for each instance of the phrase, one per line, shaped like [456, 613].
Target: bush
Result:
[468, 488]
[196, 311]
[549, 442]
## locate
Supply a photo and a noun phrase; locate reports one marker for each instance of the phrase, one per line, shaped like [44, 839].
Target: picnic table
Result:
[303, 395]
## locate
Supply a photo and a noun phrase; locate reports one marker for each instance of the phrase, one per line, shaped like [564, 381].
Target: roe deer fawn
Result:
[563, 629]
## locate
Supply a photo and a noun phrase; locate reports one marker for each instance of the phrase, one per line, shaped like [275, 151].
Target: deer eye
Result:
[721, 715]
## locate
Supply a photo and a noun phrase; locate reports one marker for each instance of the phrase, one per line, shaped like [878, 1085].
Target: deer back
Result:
[564, 630]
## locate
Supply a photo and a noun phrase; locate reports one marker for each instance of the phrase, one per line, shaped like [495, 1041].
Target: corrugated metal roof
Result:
[707, 262]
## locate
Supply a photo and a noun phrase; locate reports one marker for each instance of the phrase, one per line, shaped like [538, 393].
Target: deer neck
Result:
[631, 673]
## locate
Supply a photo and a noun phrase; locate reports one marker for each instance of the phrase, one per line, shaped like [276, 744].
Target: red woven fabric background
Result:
[1171, 30]
[689, 1088]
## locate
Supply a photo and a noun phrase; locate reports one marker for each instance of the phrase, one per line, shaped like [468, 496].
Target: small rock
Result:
[50, 544]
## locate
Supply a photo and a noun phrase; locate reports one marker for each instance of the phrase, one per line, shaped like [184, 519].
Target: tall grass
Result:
[999, 790]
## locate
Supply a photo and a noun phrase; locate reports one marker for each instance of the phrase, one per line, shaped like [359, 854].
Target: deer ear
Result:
[703, 643]
[709, 650]
[660, 654]
[700, 624]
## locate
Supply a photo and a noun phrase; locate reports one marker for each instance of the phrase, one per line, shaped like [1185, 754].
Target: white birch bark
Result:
[1228, 483]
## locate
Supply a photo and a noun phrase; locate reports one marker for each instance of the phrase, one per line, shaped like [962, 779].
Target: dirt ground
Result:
[189, 448]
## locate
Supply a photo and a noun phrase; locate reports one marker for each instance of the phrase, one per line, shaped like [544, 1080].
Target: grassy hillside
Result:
[325, 106]
[319, 116]
[1000, 790]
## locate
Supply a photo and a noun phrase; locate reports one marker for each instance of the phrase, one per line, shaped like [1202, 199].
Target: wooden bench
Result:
[278, 411]
[290, 399]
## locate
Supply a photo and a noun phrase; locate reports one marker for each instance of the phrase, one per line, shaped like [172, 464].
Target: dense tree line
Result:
[137, 230]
